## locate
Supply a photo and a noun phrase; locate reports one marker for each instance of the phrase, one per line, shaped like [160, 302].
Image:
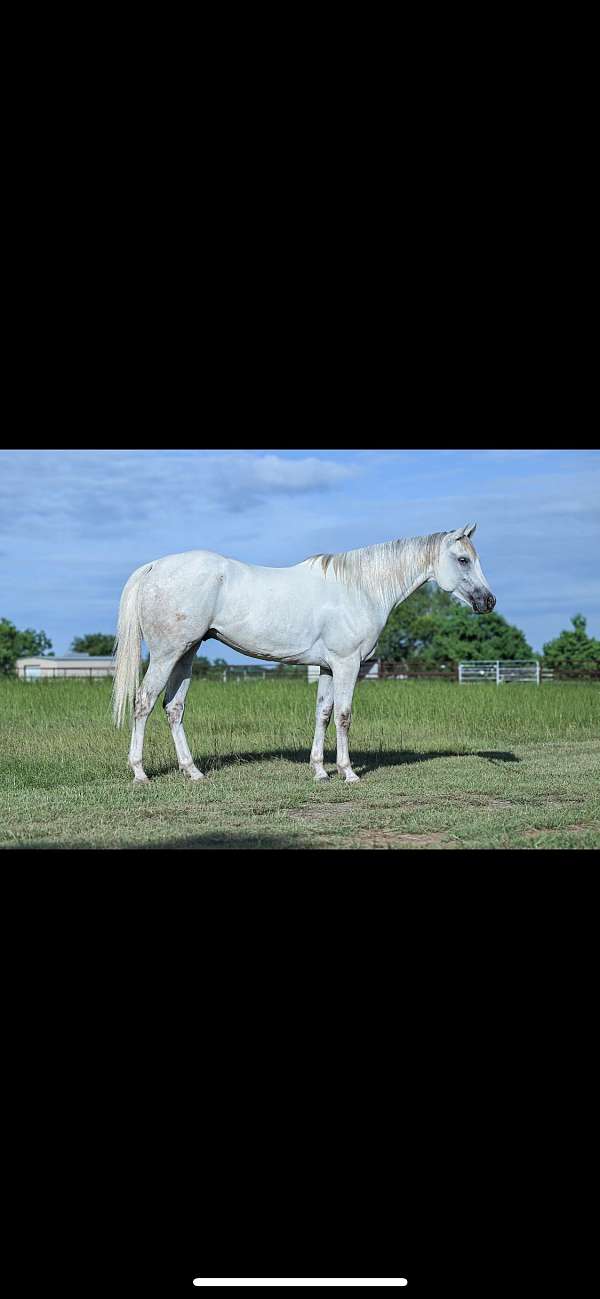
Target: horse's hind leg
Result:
[323, 714]
[146, 695]
[174, 704]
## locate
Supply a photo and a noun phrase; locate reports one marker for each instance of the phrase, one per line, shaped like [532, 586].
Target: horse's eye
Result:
[462, 559]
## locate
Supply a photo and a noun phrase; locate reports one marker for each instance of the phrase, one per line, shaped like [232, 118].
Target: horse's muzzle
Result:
[484, 602]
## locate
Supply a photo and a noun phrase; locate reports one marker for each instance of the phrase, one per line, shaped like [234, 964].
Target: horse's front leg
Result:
[345, 673]
[324, 711]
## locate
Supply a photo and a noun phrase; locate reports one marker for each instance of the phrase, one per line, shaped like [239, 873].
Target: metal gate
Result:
[499, 670]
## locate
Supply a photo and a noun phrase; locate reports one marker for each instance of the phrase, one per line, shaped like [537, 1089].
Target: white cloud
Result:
[114, 492]
[296, 475]
[241, 482]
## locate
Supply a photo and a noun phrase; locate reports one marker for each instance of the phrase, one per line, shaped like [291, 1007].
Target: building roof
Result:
[67, 658]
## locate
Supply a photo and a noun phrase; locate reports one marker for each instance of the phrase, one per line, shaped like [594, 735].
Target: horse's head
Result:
[458, 570]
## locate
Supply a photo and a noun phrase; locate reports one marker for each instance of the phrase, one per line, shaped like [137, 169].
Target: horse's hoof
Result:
[321, 775]
[349, 776]
[141, 780]
[192, 773]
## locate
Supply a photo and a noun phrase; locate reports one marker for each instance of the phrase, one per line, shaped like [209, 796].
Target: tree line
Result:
[431, 632]
[428, 632]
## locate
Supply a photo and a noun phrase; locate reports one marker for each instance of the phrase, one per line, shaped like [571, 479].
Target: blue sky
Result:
[74, 524]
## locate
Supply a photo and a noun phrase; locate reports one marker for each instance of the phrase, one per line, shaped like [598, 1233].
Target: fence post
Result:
[538, 672]
[497, 672]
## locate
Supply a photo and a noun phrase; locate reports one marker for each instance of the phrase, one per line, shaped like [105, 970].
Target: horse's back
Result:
[196, 564]
[185, 560]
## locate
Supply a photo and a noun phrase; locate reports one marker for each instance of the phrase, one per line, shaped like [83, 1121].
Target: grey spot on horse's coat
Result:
[179, 616]
[175, 712]
[141, 704]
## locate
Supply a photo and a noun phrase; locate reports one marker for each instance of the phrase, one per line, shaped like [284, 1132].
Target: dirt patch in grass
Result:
[579, 828]
[321, 812]
[395, 839]
[483, 800]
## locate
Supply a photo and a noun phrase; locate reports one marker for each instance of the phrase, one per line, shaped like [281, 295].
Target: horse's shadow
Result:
[363, 761]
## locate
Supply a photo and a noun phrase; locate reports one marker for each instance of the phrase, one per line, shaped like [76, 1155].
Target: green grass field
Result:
[441, 766]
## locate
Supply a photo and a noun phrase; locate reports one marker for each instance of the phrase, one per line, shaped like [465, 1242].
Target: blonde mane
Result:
[385, 567]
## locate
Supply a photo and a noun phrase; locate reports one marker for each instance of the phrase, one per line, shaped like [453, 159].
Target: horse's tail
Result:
[128, 646]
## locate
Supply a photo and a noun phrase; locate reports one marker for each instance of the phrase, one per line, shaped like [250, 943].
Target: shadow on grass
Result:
[211, 840]
[363, 761]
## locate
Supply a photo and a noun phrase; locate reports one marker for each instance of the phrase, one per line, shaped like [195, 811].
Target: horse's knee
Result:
[343, 717]
[325, 713]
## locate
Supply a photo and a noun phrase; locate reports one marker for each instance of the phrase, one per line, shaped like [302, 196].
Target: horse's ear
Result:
[467, 531]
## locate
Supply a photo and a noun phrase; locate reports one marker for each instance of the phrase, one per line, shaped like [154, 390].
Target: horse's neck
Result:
[406, 564]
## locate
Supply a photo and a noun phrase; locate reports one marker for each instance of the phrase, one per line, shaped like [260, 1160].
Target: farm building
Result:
[85, 666]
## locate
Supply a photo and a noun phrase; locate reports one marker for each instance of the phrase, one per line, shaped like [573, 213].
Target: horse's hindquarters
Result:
[178, 602]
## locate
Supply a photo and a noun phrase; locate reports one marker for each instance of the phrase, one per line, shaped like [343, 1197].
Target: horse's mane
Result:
[376, 568]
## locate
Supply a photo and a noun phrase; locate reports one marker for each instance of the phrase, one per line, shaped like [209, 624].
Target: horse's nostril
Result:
[491, 600]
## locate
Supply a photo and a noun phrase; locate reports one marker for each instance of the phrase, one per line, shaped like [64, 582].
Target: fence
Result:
[403, 671]
[238, 672]
[369, 671]
[501, 671]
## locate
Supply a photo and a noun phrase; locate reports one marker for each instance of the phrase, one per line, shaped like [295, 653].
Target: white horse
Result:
[328, 610]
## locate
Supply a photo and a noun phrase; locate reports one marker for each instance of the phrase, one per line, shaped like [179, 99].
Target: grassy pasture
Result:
[441, 766]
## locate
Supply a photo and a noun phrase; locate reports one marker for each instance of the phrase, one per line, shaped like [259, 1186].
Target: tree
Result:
[573, 650]
[411, 624]
[466, 635]
[200, 665]
[430, 629]
[203, 667]
[16, 644]
[96, 643]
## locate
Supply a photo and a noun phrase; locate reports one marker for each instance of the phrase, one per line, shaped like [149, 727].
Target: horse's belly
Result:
[265, 643]
[257, 650]
[266, 624]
